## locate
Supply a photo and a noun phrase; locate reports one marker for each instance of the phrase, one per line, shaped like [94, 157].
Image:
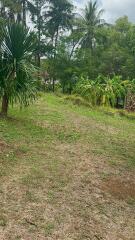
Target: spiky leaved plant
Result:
[17, 83]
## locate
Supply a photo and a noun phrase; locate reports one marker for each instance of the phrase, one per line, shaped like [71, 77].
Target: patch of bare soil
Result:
[3, 146]
[120, 188]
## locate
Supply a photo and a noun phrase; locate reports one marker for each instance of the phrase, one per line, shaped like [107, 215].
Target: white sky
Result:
[113, 8]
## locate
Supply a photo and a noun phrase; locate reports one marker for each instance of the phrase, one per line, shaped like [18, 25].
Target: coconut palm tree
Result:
[38, 19]
[16, 72]
[59, 18]
[27, 6]
[89, 22]
[9, 8]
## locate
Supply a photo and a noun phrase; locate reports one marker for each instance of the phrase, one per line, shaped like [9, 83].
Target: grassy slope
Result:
[66, 173]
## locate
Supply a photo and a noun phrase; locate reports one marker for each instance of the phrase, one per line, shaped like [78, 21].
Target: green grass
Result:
[46, 152]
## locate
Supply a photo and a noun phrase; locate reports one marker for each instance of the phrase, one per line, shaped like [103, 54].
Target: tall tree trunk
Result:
[38, 53]
[56, 39]
[55, 54]
[39, 33]
[24, 12]
[4, 108]
[38, 60]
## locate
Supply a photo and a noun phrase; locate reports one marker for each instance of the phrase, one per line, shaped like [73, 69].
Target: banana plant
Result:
[104, 90]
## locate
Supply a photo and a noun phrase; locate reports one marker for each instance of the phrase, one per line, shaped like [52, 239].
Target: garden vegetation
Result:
[67, 51]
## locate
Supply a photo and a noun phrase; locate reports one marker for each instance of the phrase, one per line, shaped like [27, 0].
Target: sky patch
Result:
[113, 8]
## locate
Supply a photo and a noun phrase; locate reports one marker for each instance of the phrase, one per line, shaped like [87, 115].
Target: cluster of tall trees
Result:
[97, 48]
[64, 47]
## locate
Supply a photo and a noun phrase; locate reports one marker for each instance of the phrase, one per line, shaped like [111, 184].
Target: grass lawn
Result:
[66, 173]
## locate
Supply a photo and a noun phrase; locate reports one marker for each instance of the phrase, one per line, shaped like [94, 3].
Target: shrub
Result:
[104, 91]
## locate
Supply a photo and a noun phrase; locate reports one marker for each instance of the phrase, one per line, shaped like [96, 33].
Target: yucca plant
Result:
[17, 83]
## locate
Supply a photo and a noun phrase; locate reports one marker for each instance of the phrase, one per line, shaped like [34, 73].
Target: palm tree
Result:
[38, 19]
[89, 22]
[59, 18]
[9, 8]
[27, 6]
[16, 72]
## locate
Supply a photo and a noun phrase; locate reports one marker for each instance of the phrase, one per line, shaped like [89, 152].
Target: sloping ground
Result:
[66, 173]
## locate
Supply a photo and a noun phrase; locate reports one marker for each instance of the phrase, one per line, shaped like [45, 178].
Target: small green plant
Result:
[131, 201]
[3, 221]
[48, 228]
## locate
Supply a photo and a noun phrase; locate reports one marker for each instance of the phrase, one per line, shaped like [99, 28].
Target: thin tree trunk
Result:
[56, 40]
[53, 85]
[63, 88]
[24, 12]
[56, 43]
[4, 108]
[39, 33]
[38, 60]
[117, 102]
[70, 89]
[73, 48]
[38, 55]
[39, 40]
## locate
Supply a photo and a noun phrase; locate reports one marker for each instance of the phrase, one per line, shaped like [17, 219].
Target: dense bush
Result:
[104, 90]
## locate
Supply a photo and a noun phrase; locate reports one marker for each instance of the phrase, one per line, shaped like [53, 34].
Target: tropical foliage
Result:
[77, 52]
[104, 90]
[16, 73]
[88, 24]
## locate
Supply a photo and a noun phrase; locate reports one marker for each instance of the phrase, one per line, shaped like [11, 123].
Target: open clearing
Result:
[66, 173]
